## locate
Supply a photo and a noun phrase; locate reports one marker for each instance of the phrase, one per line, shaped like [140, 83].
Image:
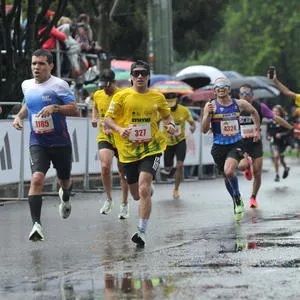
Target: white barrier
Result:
[14, 150]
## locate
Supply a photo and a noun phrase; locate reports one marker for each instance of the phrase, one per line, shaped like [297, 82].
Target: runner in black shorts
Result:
[106, 143]
[176, 144]
[222, 116]
[48, 100]
[253, 149]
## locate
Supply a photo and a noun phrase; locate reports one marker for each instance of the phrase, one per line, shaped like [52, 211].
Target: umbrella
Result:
[202, 95]
[203, 71]
[196, 80]
[172, 86]
[159, 77]
[121, 64]
[122, 75]
[261, 89]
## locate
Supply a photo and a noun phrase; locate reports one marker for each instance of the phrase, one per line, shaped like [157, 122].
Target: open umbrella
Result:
[172, 86]
[202, 95]
[121, 64]
[159, 77]
[199, 75]
[122, 75]
[261, 88]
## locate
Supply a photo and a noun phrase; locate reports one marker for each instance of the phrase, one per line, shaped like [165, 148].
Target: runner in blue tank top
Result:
[221, 115]
[48, 100]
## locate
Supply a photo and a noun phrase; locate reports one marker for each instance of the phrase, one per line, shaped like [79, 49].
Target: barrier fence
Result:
[14, 152]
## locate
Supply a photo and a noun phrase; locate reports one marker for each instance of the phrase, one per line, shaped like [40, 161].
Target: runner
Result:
[132, 114]
[48, 100]
[222, 114]
[254, 149]
[106, 143]
[278, 137]
[176, 144]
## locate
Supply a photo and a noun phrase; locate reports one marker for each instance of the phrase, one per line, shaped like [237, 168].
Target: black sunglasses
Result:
[136, 73]
[170, 95]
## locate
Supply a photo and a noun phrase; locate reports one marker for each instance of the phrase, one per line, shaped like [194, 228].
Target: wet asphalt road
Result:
[194, 250]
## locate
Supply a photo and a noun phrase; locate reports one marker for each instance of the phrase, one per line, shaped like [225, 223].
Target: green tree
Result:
[257, 34]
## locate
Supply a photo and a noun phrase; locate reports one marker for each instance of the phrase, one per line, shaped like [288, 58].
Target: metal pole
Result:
[200, 167]
[21, 178]
[86, 175]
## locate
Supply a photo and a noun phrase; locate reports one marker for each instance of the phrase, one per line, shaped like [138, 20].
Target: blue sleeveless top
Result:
[225, 124]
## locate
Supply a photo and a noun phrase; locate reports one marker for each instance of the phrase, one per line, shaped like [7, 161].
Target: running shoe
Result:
[285, 172]
[238, 208]
[106, 208]
[65, 205]
[36, 233]
[165, 172]
[248, 172]
[176, 194]
[124, 211]
[139, 238]
[277, 178]
[253, 202]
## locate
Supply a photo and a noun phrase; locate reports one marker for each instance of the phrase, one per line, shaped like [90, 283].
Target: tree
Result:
[18, 42]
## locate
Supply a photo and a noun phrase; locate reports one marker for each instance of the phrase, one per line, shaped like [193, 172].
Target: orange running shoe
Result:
[253, 203]
[176, 194]
[248, 172]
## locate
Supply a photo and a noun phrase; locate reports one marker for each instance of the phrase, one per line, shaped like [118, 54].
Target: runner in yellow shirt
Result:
[106, 143]
[132, 114]
[176, 144]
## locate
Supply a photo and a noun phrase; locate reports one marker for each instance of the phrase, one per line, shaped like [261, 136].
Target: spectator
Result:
[71, 61]
[84, 37]
[54, 35]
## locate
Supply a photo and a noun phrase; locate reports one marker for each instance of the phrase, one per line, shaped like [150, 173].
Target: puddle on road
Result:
[96, 284]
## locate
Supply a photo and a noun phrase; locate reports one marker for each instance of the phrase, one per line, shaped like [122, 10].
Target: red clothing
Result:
[54, 35]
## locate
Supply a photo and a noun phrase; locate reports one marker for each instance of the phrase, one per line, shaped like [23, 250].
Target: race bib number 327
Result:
[140, 133]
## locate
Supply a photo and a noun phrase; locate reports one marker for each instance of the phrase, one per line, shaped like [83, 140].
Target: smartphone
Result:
[271, 72]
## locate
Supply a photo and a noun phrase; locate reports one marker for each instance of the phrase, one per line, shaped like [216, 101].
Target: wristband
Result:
[173, 124]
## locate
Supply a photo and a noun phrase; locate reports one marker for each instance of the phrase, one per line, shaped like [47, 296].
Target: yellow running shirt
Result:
[180, 115]
[129, 108]
[297, 100]
[101, 103]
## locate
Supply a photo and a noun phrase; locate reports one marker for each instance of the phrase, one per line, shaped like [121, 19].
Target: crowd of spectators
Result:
[78, 52]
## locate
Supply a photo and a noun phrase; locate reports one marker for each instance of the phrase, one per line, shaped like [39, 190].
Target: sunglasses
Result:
[136, 73]
[170, 95]
[246, 93]
[221, 84]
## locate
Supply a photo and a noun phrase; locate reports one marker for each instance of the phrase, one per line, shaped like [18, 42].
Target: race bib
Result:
[140, 133]
[248, 131]
[229, 128]
[42, 125]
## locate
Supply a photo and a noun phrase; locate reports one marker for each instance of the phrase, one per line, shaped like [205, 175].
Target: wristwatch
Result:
[56, 108]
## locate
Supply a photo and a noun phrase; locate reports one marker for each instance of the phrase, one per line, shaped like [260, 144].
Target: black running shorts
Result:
[107, 145]
[61, 158]
[178, 150]
[148, 164]
[254, 149]
[221, 152]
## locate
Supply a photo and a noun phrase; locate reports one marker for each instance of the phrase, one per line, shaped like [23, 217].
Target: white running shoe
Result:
[36, 233]
[64, 206]
[139, 238]
[107, 206]
[124, 211]
[165, 172]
